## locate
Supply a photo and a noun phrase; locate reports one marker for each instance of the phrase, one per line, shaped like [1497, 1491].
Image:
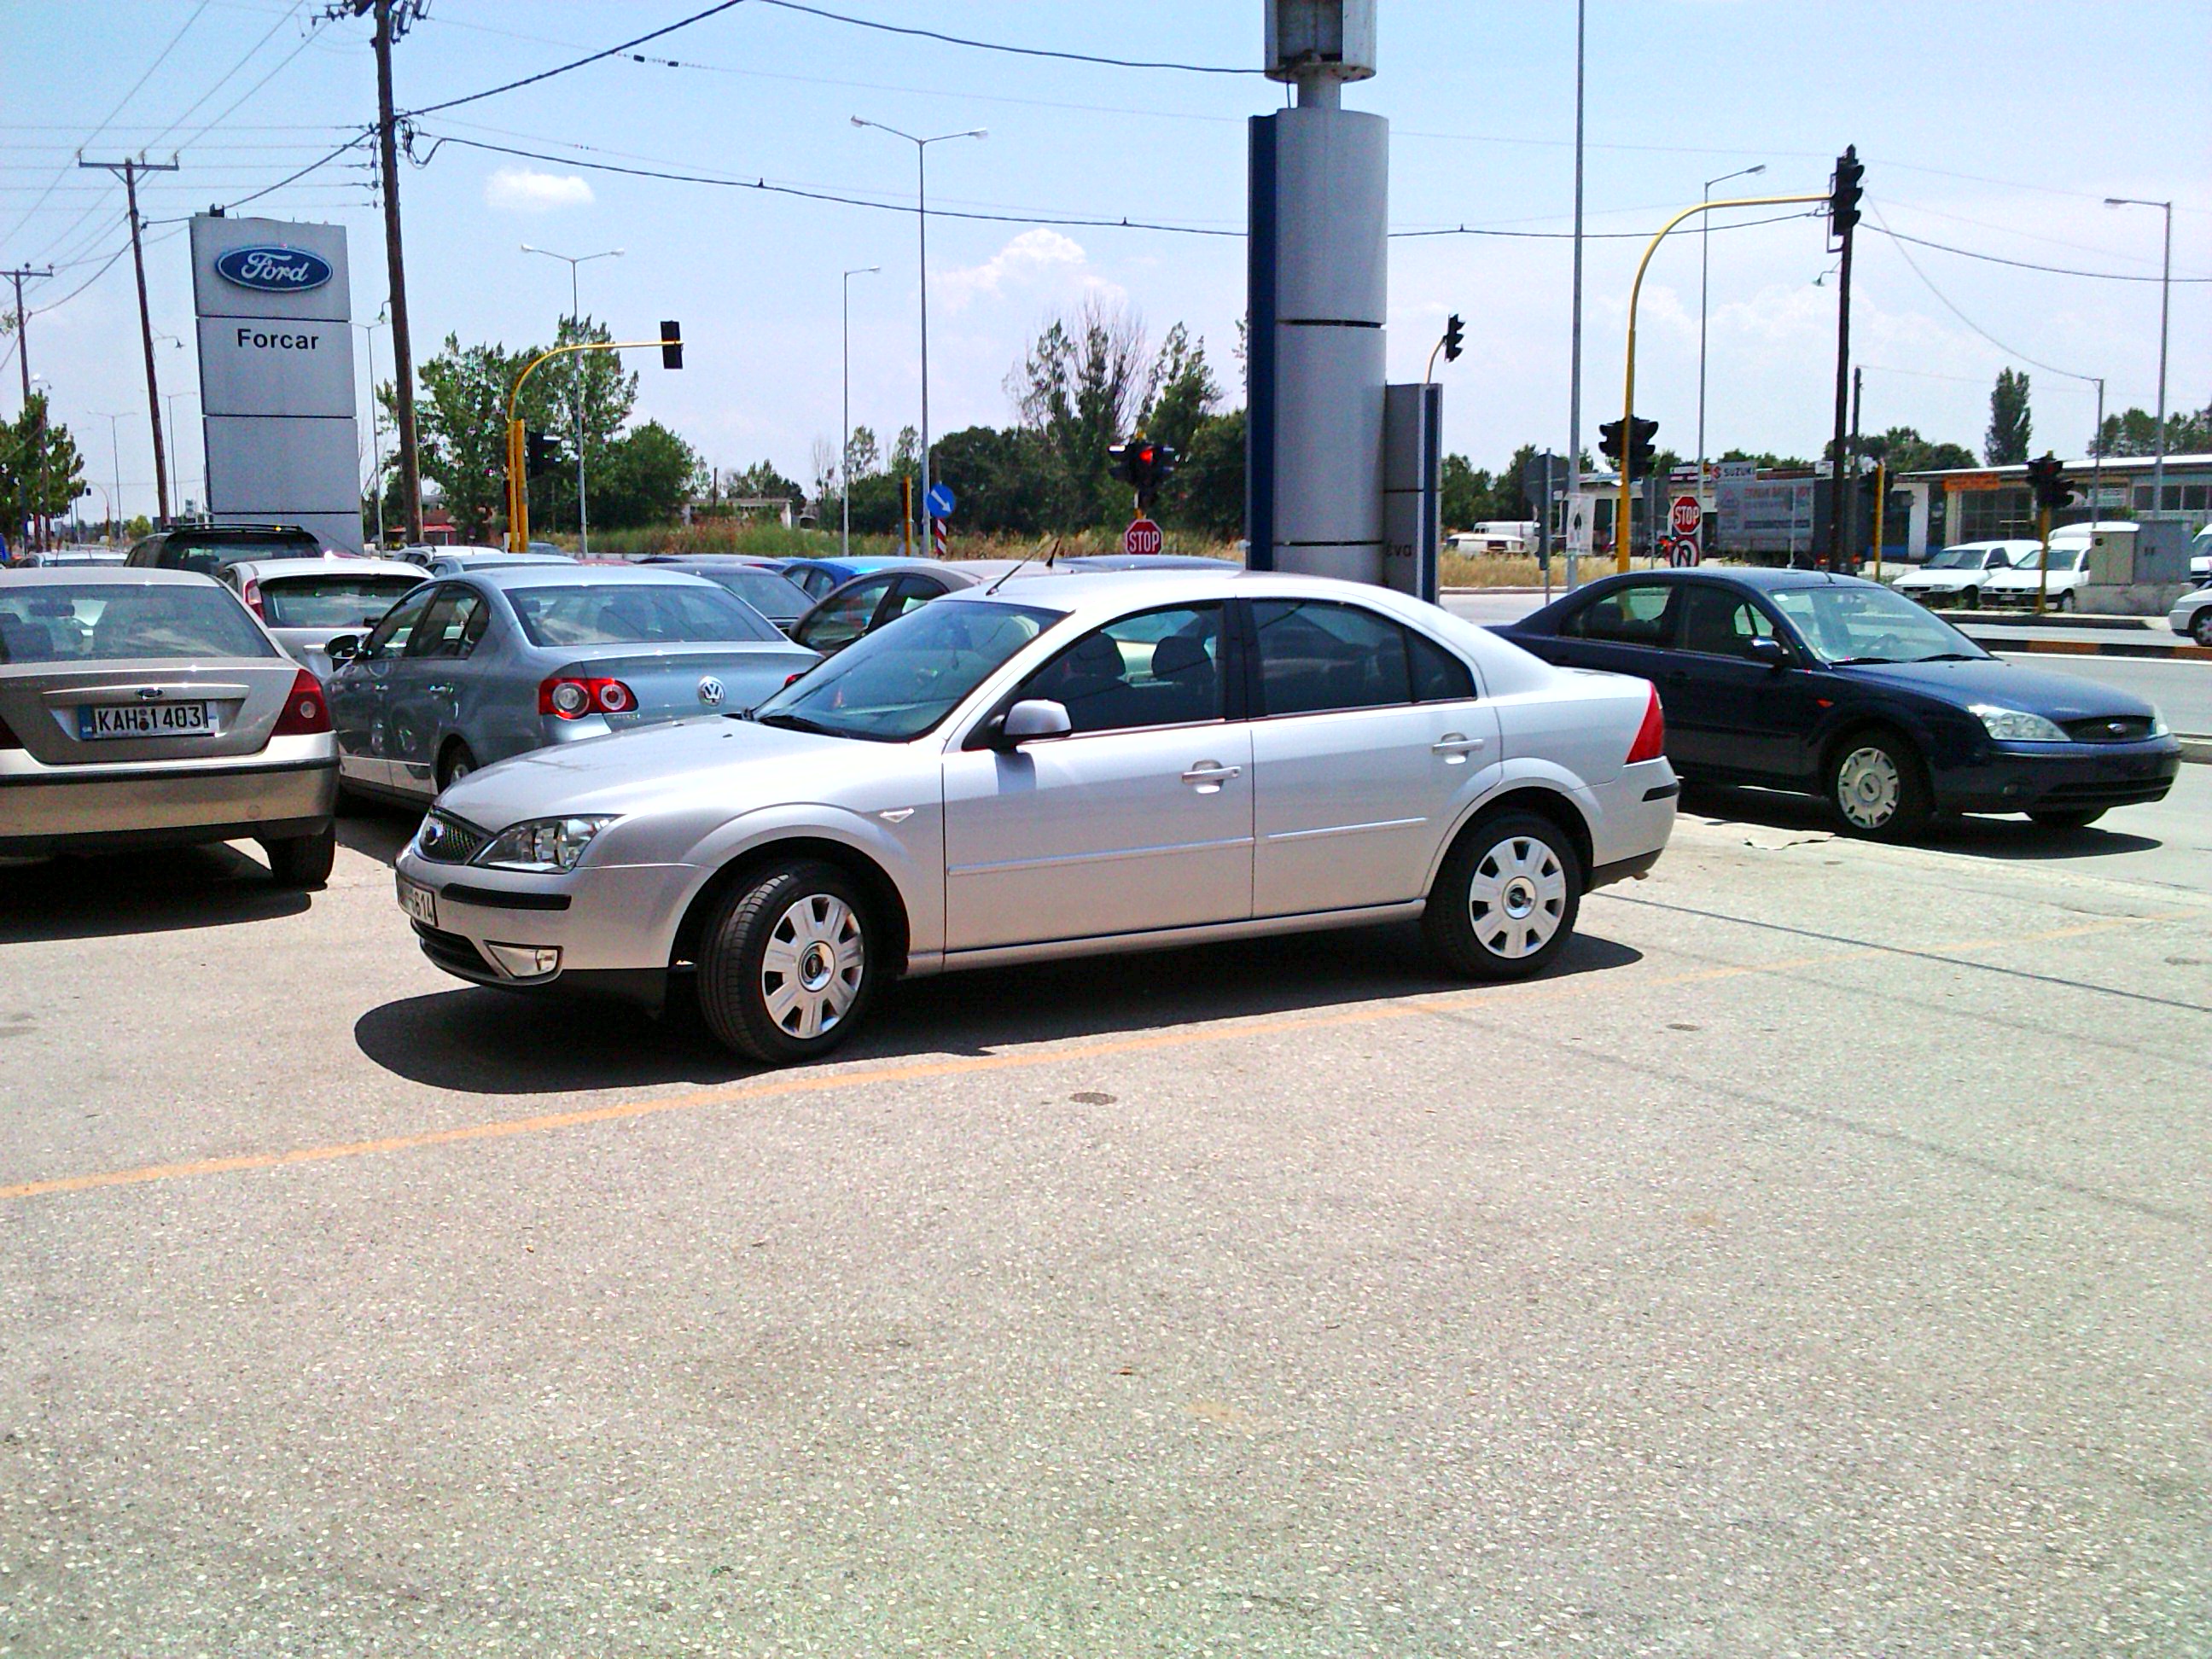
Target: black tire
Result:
[2062, 602]
[2200, 627]
[302, 861]
[1475, 921]
[2079, 817]
[812, 907]
[1877, 786]
[456, 764]
[1970, 599]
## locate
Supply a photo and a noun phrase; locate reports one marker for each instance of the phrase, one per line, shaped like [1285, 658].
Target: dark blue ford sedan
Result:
[1828, 685]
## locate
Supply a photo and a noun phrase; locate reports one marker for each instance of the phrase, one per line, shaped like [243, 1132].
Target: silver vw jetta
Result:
[1035, 769]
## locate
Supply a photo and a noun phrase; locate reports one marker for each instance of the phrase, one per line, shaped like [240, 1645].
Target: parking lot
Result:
[1814, 1263]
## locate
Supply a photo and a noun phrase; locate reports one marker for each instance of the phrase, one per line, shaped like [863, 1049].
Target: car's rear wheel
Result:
[786, 966]
[2067, 819]
[1505, 900]
[2061, 601]
[303, 861]
[1876, 785]
[456, 764]
[2200, 627]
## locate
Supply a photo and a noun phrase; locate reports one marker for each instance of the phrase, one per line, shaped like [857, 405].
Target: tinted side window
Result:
[911, 594]
[389, 637]
[1637, 614]
[1438, 676]
[845, 620]
[1718, 622]
[452, 626]
[1162, 668]
[1316, 656]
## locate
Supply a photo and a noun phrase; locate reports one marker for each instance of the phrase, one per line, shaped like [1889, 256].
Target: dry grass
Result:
[1521, 570]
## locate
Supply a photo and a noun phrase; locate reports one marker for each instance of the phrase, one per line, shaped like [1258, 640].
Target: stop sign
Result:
[1142, 536]
[1685, 516]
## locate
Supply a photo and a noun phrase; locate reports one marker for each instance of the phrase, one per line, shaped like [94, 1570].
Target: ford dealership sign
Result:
[274, 270]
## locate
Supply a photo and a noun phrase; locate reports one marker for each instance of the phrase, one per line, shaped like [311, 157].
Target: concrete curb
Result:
[2049, 619]
[2197, 750]
[2176, 650]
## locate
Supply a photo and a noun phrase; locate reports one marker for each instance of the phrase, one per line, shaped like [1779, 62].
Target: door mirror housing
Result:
[1762, 649]
[344, 647]
[1031, 720]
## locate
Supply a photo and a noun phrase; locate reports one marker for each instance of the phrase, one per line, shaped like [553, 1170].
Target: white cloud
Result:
[518, 190]
[1030, 255]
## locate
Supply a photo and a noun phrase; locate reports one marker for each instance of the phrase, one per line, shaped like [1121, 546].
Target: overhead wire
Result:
[2026, 265]
[1020, 52]
[563, 69]
[2050, 368]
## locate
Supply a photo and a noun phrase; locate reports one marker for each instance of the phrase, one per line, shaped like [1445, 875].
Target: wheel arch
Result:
[1545, 801]
[873, 880]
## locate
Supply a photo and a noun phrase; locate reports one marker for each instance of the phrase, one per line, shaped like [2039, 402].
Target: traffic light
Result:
[1143, 466]
[671, 345]
[2047, 481]
[1454, 337]
[1845, 191]
[540, 455]
[1638, 459]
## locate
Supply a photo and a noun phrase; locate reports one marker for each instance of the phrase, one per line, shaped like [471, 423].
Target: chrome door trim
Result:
[1346, 829]
[1170, 938]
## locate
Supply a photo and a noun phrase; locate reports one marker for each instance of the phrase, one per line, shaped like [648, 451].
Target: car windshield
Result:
[2062, 558]
[1963, 558]
[114, 622]
[208, 556]
[331, 601]
[1862, 623]
[904, 678]
[636, 613]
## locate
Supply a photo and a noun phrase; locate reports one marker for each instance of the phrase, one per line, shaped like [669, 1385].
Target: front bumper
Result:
[2060, 777]
[68, 810]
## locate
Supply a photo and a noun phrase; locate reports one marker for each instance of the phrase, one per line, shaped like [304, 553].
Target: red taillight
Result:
[570, 698]
[304, 711]
[1650, 737]
[253, 599]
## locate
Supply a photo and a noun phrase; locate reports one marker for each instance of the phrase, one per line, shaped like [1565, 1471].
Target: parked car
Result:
[471, 669]
[2200, 555]
[1056, 769]
[148, 708]
[459, 560]
[1957, 575]
[47, 557]
[1145, 561]
[2061, 587]
[2192, 615]
[1828, 685]
[306, 604]
[868, 602]
[206, 548]
[819, 576]
[776, 596]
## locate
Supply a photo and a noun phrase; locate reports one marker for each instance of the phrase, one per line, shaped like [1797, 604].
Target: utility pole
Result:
[1843, 214]
[128, 170]
[393, 18]
[2165, 315]
[1705, 275]
[1575, 365]
[1848, 503]
[19, 276]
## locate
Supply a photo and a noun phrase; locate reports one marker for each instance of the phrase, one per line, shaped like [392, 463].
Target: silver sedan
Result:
[144, 708]
[1092, 763]
[475, 668]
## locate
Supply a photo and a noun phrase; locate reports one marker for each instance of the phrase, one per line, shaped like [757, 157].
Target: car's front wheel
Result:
[1968, 598]
[302, 861]
[2061, 601]
[786, 967]
[2200, 627]
[1876, 785]
[1505, 900]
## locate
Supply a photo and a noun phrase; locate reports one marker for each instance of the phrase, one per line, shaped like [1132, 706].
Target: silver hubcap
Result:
[1517, 897]
[810, 971]
[1868, 787]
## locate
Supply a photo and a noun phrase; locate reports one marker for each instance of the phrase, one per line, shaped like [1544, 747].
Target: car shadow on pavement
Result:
[2008, 838]
[486, 1042]
[80, 896]
[378, 831]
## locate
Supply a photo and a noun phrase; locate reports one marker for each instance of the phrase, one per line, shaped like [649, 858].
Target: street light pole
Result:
[1575, 366]
[115, 455]
[845, 459]
[922, 224]
[1705, 272]
[2165, 313]
[375, 438]
[576, 311]
[176, 455]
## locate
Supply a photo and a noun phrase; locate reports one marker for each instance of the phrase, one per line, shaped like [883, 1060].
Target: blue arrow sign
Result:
[939, 501]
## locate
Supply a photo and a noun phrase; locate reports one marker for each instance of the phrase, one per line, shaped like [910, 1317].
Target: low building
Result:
[1993, 503]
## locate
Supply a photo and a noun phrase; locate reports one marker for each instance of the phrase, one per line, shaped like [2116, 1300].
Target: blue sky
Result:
[1990, 127]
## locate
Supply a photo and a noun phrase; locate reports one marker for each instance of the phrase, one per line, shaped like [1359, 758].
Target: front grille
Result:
[2114, 728]
[452, 952]
[444, 839]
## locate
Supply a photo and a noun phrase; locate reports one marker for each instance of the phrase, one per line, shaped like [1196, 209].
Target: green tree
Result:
[1207, 494]
[1080, 389]
[2010, 424]
[1184, 392]
[995, 479]
[2136, 433]
[1766, 460]
[906, 452]
[41, 471]
[864, 458]
[461, 426]
[643, 478]
[1902, 449]
[609, 394]
[1465, 493]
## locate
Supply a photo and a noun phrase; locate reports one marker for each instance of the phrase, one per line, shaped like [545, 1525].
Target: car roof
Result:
[567, 573]
[239, 533]
[1119, 591]
[112, 576]
[265, 569]
[1765, 578]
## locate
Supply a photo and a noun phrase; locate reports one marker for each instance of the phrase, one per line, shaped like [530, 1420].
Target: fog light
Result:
[2013, 791]
[526, 961]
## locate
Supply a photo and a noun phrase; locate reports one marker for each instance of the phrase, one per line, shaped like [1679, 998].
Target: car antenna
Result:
[995, 586]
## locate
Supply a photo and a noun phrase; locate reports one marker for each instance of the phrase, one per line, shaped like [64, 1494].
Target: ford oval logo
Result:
[710, 692]
[274, 270]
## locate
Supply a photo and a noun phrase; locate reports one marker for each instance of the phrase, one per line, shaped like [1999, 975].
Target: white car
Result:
[2060, 590]
[304, 604]
[1051, 768]
[2192, 615]
[1957, 575]
[2200, 555]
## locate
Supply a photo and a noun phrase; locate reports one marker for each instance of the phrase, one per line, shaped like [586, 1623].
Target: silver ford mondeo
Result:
[1033, 770]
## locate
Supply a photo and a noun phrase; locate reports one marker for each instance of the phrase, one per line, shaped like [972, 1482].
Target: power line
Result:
[1594, 235]
[2050, 368]
[547, 75]
[2024, 264]
[1020, 51]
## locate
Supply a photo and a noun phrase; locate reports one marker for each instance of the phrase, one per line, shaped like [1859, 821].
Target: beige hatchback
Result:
[148, 708]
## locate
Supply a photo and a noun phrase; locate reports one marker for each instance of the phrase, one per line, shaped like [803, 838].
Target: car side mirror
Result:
[1031, 720]
[344, 647]
[1764, 648]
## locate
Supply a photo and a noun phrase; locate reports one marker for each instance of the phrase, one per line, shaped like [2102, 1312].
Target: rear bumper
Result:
[52, 812]
[2073, 777]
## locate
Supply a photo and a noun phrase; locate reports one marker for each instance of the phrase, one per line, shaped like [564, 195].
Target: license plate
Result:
[143, 719]
[421, 904]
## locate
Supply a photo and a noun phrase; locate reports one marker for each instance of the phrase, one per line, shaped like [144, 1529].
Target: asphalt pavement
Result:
[1813, 1263]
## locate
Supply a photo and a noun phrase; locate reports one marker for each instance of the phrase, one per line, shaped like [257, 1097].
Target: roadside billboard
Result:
[1764, 515]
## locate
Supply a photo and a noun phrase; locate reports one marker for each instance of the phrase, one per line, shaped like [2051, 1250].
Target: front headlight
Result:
[2015, 725]
[549, 846]
[2159, 728]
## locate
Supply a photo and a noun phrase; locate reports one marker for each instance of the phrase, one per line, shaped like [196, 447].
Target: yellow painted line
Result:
[968, 1065]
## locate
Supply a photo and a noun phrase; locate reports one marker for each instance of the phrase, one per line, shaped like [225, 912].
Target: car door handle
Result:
[1210, 775]
[442, 688]
[1456, 746]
